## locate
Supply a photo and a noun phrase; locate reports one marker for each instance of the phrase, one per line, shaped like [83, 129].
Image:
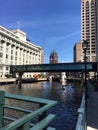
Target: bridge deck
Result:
[60, 67]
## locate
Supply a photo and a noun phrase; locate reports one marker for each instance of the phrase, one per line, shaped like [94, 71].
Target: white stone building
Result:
[15, 49]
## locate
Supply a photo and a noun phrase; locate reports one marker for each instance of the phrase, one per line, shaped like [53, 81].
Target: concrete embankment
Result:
[14, 80]
[7, 80]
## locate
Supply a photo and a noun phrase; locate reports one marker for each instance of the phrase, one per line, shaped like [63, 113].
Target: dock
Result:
[7, 80]
[14, 80]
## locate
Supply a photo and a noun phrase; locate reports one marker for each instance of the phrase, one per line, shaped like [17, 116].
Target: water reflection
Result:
[68, 100]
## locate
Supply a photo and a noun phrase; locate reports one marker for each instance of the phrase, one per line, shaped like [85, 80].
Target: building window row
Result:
[17, 50]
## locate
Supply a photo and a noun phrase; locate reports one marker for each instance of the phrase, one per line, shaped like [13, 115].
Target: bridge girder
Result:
[59, 67]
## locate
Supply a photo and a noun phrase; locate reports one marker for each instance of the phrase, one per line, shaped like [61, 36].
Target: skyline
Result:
[51, 24]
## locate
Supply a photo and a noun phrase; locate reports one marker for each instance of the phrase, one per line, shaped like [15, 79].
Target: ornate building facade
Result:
[15, 49]
[53, 57]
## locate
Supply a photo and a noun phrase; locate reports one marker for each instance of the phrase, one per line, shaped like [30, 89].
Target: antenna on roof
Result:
[18, 24]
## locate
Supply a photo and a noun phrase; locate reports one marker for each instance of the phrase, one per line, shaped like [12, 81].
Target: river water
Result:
[68, 100]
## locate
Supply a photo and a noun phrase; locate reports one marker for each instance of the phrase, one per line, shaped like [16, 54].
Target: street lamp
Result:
[84, 46]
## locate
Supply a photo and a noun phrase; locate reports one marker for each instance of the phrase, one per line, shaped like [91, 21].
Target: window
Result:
[1, 67]
[6, 56]
[1, 55]
[7, 68]
[1, 48]
[15, 58]
[11, 57]
[11, 51]
[16, 52]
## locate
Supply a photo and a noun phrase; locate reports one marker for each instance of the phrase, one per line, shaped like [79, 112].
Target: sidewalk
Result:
[92, 107]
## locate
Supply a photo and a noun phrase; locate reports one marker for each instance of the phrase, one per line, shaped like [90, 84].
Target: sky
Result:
[51, 24]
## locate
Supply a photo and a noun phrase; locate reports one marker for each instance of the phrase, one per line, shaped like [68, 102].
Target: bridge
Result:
[24, 123]
[59, 67]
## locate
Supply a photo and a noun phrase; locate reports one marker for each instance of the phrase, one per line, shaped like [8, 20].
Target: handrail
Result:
[24, 122]
[81, 117]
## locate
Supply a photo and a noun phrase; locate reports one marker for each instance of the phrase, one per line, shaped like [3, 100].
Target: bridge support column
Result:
[50, 78]
[20, 79]
[63, 79]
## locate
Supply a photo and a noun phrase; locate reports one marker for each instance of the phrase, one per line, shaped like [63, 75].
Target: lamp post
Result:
[84, 46]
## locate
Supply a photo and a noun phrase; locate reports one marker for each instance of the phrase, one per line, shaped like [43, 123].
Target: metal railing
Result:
[81, 122]
[24, 113]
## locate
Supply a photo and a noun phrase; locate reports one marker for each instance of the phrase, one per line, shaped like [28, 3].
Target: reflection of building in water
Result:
[16, 49]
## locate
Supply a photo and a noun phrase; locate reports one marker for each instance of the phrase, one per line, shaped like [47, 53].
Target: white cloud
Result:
[40, 22]
[60, 38]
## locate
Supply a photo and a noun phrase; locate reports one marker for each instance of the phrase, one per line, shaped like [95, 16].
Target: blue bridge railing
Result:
[24, 113]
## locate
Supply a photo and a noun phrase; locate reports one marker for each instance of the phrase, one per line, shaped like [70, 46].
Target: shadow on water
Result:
[68, 100]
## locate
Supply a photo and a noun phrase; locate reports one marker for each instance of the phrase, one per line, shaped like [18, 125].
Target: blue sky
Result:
[51, 24]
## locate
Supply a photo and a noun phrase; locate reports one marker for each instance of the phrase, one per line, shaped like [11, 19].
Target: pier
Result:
[7, 80]
[14, 80]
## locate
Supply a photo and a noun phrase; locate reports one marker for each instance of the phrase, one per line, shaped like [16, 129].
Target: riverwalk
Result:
[7, 80]
[92, 107]
[13, 80]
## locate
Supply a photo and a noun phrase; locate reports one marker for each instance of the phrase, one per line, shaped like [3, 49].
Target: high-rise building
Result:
[53, 57]
[15, 49]
[89, 27]
[77, 52]
[97, 32]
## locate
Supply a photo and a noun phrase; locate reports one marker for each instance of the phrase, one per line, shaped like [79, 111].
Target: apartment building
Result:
[16, 49]
[89, 27]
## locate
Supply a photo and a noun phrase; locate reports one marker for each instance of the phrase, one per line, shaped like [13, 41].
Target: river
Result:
[68, 100]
